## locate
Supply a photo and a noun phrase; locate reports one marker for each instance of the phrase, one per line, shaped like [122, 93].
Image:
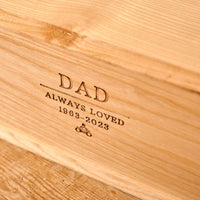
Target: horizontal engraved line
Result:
[76, 98]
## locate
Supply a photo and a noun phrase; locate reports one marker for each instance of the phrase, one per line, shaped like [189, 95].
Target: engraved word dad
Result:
[99, 94]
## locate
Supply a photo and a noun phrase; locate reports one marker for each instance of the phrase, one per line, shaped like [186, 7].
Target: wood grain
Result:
[26, 176]
[144, 54]
[153, 156]
[158, 39]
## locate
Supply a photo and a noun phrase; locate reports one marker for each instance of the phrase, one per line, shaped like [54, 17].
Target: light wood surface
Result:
[26, 176]
[159, 39]
[147, 65]
[157, 146]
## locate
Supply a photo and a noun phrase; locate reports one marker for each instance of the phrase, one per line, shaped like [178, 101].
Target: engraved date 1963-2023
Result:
[87, 119]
